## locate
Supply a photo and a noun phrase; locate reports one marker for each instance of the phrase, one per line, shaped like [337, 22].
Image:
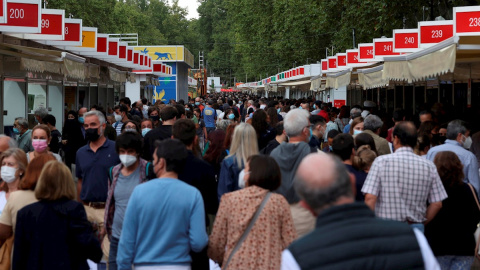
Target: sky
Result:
[191, 6]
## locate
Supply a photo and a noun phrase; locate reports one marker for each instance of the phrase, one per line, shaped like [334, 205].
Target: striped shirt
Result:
[403, 182]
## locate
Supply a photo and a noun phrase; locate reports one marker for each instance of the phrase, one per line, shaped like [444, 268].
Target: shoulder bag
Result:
[249, 228]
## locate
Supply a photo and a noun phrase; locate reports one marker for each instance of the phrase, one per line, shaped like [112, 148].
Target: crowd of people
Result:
[238, 181]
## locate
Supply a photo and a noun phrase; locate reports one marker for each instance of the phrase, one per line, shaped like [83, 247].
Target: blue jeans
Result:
[418, 226]
[112, 256]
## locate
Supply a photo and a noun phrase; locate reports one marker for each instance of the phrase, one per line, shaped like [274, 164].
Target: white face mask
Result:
[127, 160]
[468, 143]
[8, 174]
[118, 118]
[241, 179]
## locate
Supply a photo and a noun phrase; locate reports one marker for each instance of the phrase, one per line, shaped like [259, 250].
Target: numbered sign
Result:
[383, 47]
[23, 16]
[434, 32]
[113, 46]
[341, 59]
[332, 62]
[3, 11]
[52, 23]
[72, 34]
[122, 51]
[324, 65]
[466, 21]
[366, 52]
[405, 40]
[89, 41]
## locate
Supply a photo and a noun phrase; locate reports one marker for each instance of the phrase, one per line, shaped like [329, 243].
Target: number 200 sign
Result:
[466, 20]
[21, 16]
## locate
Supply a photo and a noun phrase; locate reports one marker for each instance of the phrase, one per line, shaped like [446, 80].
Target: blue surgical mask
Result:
[231, 116]
[187, 109]
[311, 134]
[16, 131]
[356, 132]
[314, 106]
[278, 110]
[331, 148]
[145, 131]
[81, 120]
[197, 103]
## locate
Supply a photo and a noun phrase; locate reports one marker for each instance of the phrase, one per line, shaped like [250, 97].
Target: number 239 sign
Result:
[21, 16]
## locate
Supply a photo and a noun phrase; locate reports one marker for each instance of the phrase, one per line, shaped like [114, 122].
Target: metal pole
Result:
[354, 39]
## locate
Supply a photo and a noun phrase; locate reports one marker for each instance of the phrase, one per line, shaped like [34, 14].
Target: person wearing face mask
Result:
[121, 117]
[327, 146]
[154, 115]
[41, 137]
[14, 165]
[164, 216]
[131, 126]
[457, 137]
[123, 178]
[146, 126]
[318, 129]
[24, 135]
[72, 138]
[92, 165]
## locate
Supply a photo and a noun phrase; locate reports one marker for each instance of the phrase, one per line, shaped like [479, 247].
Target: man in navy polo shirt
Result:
[209, 116]
[92, 164]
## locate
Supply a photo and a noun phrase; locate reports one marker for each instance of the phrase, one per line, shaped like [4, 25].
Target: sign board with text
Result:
[332, 62]
[23, 16]
[405, 40]
[338, 103]
[466, 21]
[434, 32]
[72, 34]
[366, 52]
[53, 26]
[89, 40]
[353, 57]
[341, 59]
[383, 47]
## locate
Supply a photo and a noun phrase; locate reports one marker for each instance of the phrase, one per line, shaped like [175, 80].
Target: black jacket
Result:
[349, 236]
[72, 132]
[160, 133]
[54, 235]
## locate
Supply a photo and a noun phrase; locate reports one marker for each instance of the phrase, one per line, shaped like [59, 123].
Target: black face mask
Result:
[155, 118]
[91, 134]
[442, 139]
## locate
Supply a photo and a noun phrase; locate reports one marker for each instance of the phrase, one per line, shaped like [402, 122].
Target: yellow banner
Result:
[89, 38]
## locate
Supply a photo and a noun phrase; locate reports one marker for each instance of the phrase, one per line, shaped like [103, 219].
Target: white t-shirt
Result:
[3, 200]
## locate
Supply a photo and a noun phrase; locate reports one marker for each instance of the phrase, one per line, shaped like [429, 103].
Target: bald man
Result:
[347, 233]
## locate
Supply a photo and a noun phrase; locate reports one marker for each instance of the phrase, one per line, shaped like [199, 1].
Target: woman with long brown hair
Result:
[450, 232]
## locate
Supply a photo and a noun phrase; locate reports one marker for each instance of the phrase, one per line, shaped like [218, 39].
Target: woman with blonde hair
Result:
[14, 164]
[364, 158]
[244, 145]
[54, 232]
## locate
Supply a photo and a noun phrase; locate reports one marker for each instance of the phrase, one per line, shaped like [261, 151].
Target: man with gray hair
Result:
[457, 133]
[354, 113]
[345, 227]
[93, 162]
[371, 126]
[24, 135]
[39, 114]
[6, 143]
[288, 156]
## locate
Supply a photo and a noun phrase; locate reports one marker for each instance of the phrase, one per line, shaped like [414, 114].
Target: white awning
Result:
[372, 77]
[339, 79]
[295, 83]
[316, 83]
[431, 62]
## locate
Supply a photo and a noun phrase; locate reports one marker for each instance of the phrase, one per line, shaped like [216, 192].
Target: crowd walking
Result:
[239, 181]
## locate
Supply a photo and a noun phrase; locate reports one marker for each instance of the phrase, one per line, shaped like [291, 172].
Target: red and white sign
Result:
[383, 47]
[332, 62]
[324, 65]
[23, 16]
[353, 57]
[434, 32]
[466, 21]
[72, 34]
[338, 103]
[405, 40]
[366, 52]
[3, 11]
[122, 51]
[341, 59]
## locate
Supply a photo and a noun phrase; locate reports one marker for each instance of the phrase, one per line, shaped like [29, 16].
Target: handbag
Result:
[247, 231]
[476, 234]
